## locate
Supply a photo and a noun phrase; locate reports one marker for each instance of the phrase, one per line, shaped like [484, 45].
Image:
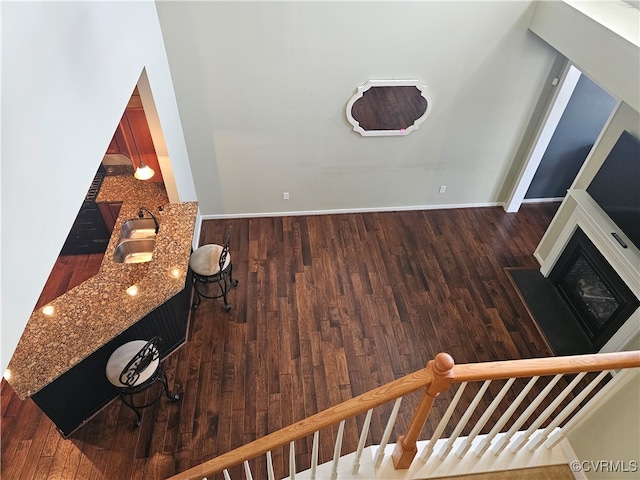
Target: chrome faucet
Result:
[141, 215]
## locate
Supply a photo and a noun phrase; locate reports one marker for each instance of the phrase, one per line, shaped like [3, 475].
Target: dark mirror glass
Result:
[394, 107]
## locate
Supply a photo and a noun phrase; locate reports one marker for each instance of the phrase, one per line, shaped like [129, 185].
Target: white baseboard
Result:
[543, 200]
[572, 459]
[349, 210]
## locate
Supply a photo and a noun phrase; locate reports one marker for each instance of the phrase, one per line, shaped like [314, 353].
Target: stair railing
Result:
[436, 378]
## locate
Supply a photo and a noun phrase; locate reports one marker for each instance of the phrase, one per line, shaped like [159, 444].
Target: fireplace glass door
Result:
[592, 289]
[589, 294]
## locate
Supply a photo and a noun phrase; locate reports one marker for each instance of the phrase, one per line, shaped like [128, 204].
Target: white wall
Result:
[68, 70]
[262, 88]
[611, 60]
[607, 435]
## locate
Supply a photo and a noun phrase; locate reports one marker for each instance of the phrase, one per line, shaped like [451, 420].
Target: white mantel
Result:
[579, 210]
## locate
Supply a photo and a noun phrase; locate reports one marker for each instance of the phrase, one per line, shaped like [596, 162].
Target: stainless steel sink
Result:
[134, 250]
[138, 228]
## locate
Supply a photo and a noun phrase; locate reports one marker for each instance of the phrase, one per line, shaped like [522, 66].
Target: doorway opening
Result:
[575, 117]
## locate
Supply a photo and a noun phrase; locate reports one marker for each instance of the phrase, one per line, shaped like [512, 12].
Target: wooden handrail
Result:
[533, 367]
[408, 384]
[350, 408]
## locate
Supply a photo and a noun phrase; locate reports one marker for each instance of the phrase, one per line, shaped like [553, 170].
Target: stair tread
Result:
[551, 472]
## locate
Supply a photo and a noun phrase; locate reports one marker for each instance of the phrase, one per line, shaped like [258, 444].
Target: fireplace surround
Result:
[596, 295]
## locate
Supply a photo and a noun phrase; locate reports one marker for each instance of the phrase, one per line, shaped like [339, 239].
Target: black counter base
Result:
[74, 397]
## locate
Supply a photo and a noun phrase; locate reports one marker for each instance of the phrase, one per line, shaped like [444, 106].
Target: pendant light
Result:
[143, 171]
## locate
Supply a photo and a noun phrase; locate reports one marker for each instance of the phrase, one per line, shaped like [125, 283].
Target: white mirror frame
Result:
[388, 83]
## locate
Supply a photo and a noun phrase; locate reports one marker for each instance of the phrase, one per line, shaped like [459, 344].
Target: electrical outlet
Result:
[285, 195]
[443, 189]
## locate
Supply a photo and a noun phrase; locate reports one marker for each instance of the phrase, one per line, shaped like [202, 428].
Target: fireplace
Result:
[596, 295]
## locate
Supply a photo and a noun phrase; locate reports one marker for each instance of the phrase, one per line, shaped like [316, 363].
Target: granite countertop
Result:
[99, 309]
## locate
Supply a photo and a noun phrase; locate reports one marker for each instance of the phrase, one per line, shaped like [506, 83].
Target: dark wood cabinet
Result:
[118, 144]
[77, 395]
[109, 212]
[89, 233]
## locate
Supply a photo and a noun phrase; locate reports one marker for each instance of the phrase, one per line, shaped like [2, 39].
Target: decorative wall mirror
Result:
[388, 107]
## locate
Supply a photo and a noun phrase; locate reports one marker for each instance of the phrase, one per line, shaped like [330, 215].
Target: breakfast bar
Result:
[60, 359]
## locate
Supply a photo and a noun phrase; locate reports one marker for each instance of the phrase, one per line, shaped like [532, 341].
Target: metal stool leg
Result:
[234, 282]
[127, 396]
[174, 397]
[127, 399]
[222, 283]
[196, 301]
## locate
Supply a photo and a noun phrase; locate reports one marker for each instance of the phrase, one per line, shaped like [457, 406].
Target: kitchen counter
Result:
[98, 310]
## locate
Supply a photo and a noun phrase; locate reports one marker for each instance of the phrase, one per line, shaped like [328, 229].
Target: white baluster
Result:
[387, 433]
[247, 471]
[363, 438]
[444, 451]
[270, 474]
[292, 461]
[559, 434]
[428, 449]
[520, 441]
[466, 443]
[484, 444]
[504, 440]
[336, 451]
[225, 472]
[566, 411]
[314, 454]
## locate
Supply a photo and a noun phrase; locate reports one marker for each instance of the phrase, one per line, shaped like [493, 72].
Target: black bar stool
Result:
[210, 264]
[134, 367]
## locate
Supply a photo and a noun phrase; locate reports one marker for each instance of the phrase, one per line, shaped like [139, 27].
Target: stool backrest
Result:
[225, 249]
[147, 354]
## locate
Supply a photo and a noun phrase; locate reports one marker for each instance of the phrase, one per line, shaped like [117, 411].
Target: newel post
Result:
[405, 450]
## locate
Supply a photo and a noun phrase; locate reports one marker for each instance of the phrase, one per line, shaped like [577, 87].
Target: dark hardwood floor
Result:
[68, 272]
[327, 307]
